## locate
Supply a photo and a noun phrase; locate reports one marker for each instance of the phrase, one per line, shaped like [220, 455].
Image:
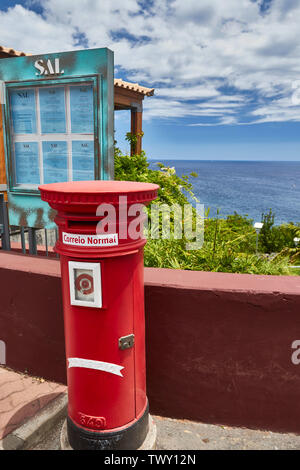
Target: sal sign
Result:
[48, 67]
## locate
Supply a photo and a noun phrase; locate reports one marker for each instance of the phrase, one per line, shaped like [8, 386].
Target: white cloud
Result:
[24, 30]
[209, 51]
[188, 92]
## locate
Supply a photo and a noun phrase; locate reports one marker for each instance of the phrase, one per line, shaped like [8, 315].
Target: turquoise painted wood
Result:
[94, 66]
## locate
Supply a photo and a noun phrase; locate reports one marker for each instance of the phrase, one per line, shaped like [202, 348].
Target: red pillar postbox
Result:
[103, 297]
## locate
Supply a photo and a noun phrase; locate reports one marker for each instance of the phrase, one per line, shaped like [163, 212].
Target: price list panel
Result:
[52, 133]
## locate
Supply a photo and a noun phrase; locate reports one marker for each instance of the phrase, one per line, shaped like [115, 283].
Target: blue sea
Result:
[249, 188]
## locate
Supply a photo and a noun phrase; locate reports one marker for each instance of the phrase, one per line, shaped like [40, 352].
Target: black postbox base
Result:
[130, 438]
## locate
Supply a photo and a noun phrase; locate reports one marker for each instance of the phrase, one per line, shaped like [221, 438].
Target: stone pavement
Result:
[22, 397]
[176, 434]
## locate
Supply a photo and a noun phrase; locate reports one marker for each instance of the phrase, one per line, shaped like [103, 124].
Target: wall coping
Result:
[30, 264]
[203, 280]
[172, 278]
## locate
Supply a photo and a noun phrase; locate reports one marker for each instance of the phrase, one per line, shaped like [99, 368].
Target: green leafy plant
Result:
[274, 238]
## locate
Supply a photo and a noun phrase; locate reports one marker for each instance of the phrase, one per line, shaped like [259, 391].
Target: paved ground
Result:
[21, 397]
[52, 441]
[181, 434]
[173, 434]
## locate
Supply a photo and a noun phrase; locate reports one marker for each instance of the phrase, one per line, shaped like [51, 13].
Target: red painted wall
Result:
[31, 320]
[219, 348]
[218, 345]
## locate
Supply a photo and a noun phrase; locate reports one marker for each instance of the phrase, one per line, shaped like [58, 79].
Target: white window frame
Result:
[96, 270]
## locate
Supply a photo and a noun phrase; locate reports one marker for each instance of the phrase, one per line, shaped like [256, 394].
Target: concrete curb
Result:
[33, 430]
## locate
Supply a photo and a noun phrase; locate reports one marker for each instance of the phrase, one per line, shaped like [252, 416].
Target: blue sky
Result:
[226, 72]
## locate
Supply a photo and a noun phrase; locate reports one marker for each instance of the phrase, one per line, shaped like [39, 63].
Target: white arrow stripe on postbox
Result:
[97, 365]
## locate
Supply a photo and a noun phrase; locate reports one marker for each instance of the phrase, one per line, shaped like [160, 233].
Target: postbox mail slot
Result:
[85, 284]
[82, 223]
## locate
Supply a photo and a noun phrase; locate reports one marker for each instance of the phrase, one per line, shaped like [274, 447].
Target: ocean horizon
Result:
[248, 187]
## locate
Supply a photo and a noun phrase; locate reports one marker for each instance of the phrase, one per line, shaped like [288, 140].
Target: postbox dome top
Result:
[96, 192]
[83, 187]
